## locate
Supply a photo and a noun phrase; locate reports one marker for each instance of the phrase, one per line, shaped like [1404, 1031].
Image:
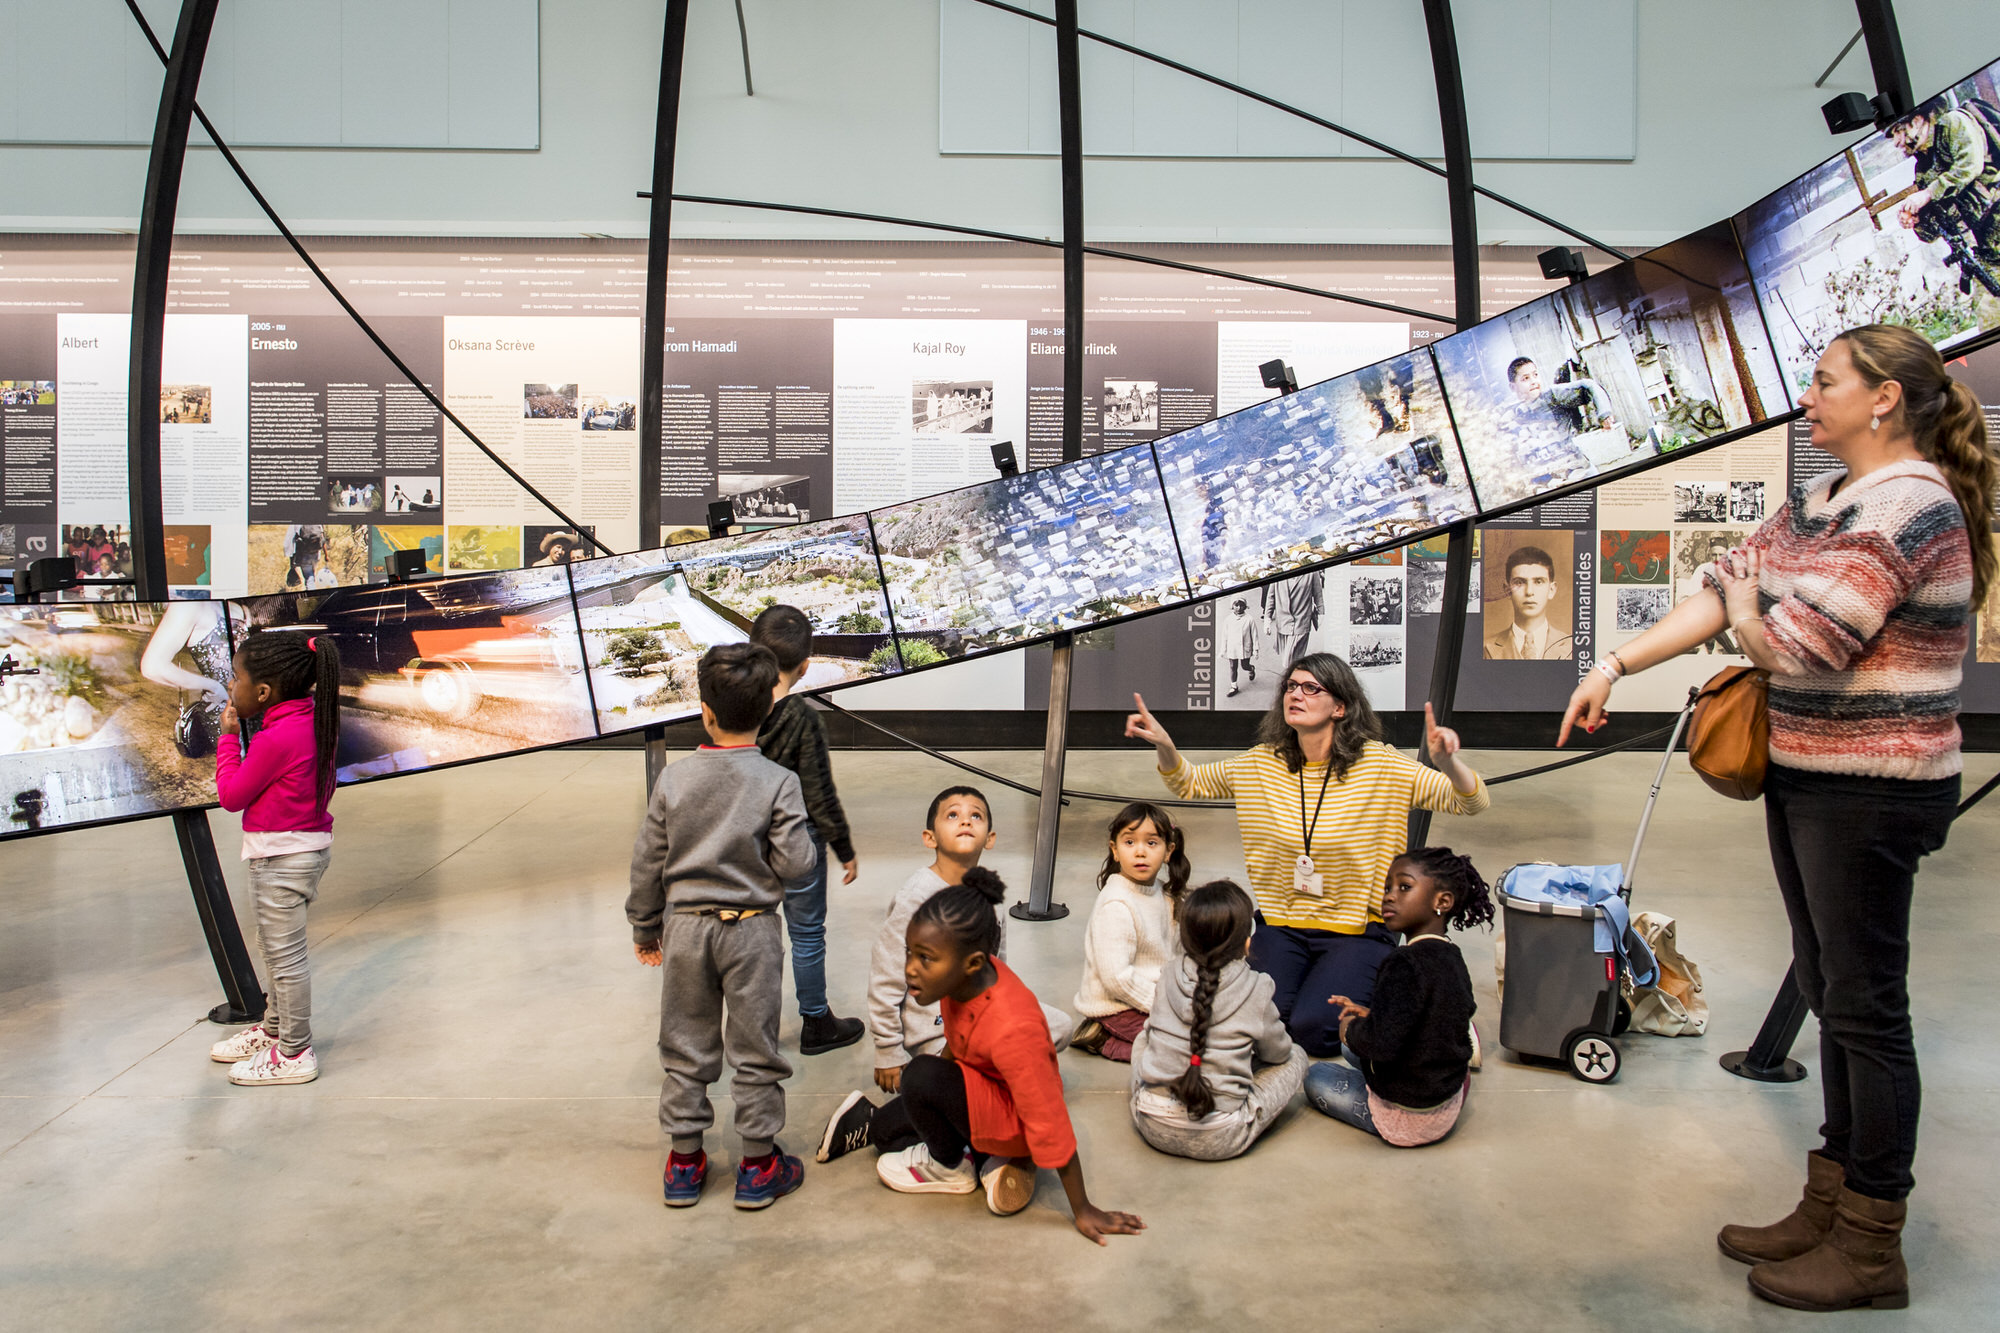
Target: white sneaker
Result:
[250, 1041]
[915, 1171]
[273, 1066]
[1010, 1186]
[1473, 1028]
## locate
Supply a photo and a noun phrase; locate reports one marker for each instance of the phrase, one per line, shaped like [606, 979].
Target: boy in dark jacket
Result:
[793, 736]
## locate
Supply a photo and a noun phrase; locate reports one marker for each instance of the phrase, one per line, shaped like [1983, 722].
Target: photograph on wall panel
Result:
[108, 710]
[1643, 359]
[647, 618]
[1021, 558]
[1901, 228]
[446, 670]
[1355, 462]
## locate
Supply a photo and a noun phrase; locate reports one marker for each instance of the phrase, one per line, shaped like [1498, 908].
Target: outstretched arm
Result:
[1094, 1222]
[1692, 623]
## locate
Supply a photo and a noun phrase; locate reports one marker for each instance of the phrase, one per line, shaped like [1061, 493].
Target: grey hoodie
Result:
[1244, 1031]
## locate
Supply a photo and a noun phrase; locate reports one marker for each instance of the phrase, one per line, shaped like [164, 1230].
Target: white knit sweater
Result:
[1124, 948]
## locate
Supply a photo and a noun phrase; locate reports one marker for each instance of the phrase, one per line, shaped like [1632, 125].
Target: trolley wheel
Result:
[1591, 1057]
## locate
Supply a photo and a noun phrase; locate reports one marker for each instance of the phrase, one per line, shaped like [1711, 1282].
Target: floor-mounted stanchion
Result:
[245, 998]
[1767, 1060]
[656, 757]
[1048, 820]
[1450, 646]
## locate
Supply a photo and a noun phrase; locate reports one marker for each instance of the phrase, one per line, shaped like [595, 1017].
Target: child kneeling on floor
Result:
[959, 828]
[1131, 929]
[998, 1100]
[1214, 1066]
[725, 830]
[1410, 1051]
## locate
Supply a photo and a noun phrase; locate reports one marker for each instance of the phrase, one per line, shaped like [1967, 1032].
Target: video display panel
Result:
[1651, 356]
[108, 710]
[647, 618]
[440, 671]
[1023, 557]
[1359, 461]
[1902, 228]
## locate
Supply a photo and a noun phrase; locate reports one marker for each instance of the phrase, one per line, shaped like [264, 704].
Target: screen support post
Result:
[1450, 649]
[653, 354]
[1885, 54]
[656, 757]
[243, 999]
[1069, 99]
[1048, 819]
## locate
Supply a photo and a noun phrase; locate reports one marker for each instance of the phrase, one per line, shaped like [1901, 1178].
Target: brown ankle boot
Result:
[1803, 1229]
[1860, 1262]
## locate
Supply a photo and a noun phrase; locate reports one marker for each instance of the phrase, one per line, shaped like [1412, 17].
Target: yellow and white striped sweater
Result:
[1361, 831]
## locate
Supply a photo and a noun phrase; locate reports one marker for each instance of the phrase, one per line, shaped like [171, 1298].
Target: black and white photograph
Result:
[1375, 601]
[353, 495]
[413, 495]
[1131, 405]
[1642, 608]
[1426, 580]
[1746, 502]
[1701, 502]
[764, 499]
[548, 402]
[1374, 650]
[601, 412]
[951, 407]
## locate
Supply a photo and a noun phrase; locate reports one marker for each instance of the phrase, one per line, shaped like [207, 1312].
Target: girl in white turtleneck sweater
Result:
[1131, 929]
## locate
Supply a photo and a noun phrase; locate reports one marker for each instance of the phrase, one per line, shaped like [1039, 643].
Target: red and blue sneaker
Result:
[762, 1181]
[685, 1174]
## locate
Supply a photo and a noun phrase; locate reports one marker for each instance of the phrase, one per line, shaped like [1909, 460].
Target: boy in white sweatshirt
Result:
[959, 828]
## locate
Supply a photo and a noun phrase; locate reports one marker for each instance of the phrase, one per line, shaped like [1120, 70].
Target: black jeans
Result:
[1846, 852]
[931, 1109]
[1307, 966]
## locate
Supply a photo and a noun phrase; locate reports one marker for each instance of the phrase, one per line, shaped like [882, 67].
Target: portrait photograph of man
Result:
[1530, 610]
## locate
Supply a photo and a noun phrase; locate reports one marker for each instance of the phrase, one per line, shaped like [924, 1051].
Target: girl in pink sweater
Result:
[282, 779]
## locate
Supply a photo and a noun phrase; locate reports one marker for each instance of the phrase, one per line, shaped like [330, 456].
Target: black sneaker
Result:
[847, 1129]
[820, 1033]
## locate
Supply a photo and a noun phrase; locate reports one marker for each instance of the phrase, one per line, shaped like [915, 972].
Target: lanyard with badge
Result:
[1306, 878]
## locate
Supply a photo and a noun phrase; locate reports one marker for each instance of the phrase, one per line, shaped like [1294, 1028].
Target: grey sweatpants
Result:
[707, 963]
[1163, 1122]
[281, 887]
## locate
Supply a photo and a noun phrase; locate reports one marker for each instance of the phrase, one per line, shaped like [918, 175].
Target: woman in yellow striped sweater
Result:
[1323, 806]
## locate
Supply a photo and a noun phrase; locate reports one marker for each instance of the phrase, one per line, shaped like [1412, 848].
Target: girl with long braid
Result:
[994, 1110]
[1410, 1052]
[1214, 1066]
[282, 780]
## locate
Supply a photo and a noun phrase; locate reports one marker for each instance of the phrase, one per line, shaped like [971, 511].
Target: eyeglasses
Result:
[1305, 689]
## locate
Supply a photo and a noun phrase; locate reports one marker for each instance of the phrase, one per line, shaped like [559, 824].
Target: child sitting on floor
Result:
[959, 828]
[1410, 1050]
[1130, 930]
[1214, 1067]
[997, 1101]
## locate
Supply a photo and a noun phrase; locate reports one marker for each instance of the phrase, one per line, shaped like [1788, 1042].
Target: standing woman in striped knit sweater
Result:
[1856, 597]
[1324, 810]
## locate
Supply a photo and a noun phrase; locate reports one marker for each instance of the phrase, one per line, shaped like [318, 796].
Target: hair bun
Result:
[986, 884]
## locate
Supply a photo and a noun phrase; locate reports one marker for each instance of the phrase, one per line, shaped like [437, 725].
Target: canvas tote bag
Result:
[1674, 1006]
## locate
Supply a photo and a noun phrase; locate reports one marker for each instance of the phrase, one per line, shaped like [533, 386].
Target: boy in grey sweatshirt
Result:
[724, 830]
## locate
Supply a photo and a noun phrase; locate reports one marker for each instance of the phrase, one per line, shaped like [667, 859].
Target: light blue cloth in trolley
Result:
[1590, 886]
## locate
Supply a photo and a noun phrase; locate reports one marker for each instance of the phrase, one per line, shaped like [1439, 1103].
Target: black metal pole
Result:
[1885, 53]
[1069, 97]
[149, 295]
[1048, 818]
[244, 999]
[1450, 648]
[1766, 1059]
[653, 367]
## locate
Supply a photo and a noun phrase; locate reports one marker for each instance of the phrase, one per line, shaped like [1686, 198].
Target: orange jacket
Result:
[1013, 1089]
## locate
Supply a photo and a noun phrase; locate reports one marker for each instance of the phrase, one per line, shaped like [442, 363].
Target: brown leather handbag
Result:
[1729, 740]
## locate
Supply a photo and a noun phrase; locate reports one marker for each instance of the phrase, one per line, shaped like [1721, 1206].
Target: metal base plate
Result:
[1024, 912]
[1787, 1071]
[229, 1016]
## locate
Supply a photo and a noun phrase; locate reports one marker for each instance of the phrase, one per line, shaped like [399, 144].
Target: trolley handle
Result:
[1659, 780]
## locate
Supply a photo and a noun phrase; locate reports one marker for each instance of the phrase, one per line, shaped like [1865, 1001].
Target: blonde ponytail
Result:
[1947, 423]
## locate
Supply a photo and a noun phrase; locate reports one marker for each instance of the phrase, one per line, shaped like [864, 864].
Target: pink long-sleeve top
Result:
[274, 781]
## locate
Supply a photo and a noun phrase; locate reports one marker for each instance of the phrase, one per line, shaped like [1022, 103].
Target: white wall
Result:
[846, 115]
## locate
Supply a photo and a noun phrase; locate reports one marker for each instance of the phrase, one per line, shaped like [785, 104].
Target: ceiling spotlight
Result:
[1563, 262]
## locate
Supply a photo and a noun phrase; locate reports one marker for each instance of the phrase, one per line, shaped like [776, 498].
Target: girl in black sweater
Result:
[1408, 1053]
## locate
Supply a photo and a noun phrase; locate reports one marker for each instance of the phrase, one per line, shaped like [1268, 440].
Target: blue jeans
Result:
[1310, 965]
[805, 921]
[1341, 1092]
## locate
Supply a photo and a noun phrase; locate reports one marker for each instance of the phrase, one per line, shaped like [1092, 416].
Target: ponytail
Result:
[326, 711]
[1177, 868]
[1947, 423]
[967, 912]
[298, 666]
[1215, 925]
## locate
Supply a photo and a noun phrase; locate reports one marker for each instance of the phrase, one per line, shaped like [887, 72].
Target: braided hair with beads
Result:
[298, 665]
[1215, 922]
[1471, 897]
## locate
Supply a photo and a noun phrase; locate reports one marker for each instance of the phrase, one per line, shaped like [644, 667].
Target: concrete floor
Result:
[481, 1150]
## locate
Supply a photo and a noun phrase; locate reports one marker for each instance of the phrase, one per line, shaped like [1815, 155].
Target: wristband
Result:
[1610, 672]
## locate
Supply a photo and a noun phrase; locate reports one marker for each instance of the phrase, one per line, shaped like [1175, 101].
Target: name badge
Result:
[1307, 880]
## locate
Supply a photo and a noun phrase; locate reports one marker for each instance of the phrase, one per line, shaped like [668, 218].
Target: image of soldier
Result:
[1957, 195]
